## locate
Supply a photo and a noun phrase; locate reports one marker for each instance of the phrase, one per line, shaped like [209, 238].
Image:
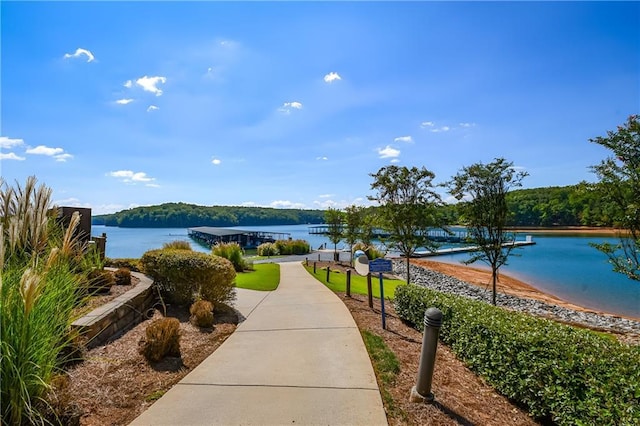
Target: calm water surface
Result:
[566, 267]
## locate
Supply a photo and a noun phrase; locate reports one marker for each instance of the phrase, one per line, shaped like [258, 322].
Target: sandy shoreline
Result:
[506, 284]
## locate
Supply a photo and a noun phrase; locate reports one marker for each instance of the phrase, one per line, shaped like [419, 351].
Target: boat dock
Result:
[437, 235]
[246, 239]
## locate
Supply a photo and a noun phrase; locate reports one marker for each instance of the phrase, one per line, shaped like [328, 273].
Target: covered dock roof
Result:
[246, 239]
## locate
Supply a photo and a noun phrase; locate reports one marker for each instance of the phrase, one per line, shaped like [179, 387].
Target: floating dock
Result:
[246, 239]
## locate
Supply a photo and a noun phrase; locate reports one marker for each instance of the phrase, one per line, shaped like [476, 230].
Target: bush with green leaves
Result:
[268, 249]
[129, 263]
[185, 276]
[287, 247]
[560, 373]
[232, 252]
[99, 281]
[177, 245]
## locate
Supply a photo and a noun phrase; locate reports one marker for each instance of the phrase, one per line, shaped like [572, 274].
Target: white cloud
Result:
[131, 176]
[152, 108]
[285, 204]
[216, 161]
[325, 195]
[152, 185]
[427, 124]
[10, 156]
[6, 142]
[395, 160]
[407, 139]
[323, 158]
[128, 84]
[441, 129]
[79, 52]
[467, 124]
[331, 77]
[45, 150]
[249, 204]
[63, 157]
[388, 152]
[287, 106]
[150, 84]
[124, 101]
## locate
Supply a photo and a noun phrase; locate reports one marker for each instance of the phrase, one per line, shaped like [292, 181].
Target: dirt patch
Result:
[460, 396]
[115, 384]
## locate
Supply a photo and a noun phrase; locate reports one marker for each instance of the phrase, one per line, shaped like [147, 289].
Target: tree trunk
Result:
[494, 276]
[408, 273]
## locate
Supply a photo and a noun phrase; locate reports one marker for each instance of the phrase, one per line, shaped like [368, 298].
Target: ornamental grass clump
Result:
[562, 374]
[287, 247]
[233, 253]
[39, 288]
[202, 314]
[162, 338]
[122, 276]
[186, 276]
[267, 249]
[177, 245]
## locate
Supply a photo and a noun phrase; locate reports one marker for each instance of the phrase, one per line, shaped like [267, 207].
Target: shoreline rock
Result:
[447, 284]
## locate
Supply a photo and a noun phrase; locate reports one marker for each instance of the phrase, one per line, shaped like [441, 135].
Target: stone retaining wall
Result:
[117, 316]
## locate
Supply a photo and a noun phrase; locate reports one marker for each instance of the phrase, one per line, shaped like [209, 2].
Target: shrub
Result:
[130, 264]
[162, 338]
[371, 251]
[292, 247]
[561, 373]
[122, 276]
[231, 252]
[186, 276]
[201, 313]
[99, 281]
[267, 249]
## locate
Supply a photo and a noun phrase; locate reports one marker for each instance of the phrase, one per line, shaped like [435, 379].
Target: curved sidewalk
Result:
[298, 358]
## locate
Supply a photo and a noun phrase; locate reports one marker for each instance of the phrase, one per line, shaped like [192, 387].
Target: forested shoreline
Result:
[573, 205]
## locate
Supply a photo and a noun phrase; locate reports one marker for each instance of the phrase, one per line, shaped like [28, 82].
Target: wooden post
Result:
[328, 272]
[314, 267]
[348, 282]
[369, 291]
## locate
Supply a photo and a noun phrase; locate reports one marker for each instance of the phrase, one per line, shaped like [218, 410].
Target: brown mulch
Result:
[115, 384]
[461, 397]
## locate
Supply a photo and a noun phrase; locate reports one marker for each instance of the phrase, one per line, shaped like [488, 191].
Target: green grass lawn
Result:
[338, 282]
[265, 277]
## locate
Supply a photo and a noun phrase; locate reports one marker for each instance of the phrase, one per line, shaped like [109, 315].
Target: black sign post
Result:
[381, 265]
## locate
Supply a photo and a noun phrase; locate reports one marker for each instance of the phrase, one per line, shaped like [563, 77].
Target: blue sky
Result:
[288, 104]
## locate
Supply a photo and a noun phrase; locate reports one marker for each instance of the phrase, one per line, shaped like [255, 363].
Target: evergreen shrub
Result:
[185, 276]
[560, 373]
[286, 247]
[122, 276]
[99, 281]
[267, 249]
[129, 263]
[202, 313]
[162, 338]
[231, 252]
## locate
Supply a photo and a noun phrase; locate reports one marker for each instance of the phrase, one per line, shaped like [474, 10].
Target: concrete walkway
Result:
[297, 359]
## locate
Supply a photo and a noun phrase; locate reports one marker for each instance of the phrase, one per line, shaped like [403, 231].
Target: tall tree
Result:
[334, 219]
[484, 188]
[407, 209]
[619, 185]
[353, 216]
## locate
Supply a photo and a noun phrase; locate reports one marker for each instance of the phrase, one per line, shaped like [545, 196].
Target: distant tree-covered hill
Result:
[182, 215]
[574, 205]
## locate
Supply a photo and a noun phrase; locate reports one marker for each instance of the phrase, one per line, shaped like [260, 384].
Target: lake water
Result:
[566, 267]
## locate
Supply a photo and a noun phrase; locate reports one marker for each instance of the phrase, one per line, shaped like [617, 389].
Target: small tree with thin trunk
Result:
[334, 219]
[620, 186]
[353, 216]
[407, 209]
[484, 187]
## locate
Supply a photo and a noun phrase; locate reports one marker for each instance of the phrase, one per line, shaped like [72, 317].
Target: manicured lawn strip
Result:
[385, 364]
[265, 277]
[338, 282]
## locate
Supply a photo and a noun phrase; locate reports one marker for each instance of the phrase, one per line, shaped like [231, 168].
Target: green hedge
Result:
[567, 375]
[185, 276]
